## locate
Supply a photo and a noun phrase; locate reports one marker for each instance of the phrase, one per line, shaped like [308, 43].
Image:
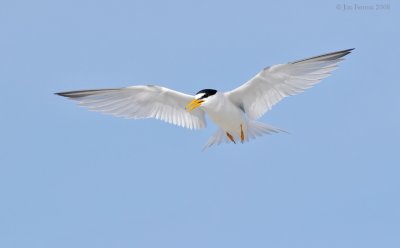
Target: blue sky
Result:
[74, 178]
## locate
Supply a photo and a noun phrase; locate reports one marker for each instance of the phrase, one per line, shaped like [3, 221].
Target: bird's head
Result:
[200, 97]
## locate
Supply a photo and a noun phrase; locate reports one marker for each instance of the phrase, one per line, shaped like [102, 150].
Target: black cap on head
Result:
[207, 93]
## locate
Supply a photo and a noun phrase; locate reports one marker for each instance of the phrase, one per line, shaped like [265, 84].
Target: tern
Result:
[234, 112]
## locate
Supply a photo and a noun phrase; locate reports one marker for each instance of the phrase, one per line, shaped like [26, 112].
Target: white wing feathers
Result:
[138, 102]
[274, 83]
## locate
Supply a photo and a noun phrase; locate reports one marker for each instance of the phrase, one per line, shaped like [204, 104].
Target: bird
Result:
[235, 112]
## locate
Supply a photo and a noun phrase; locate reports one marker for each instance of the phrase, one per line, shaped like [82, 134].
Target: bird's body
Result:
[234, 112]
[226, 115]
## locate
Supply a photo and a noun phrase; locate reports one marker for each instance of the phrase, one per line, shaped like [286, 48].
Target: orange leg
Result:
[241, 134]
[230, 137]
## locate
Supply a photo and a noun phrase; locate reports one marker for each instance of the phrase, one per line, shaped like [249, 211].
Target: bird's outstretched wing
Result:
[274, 83]
[138, 102]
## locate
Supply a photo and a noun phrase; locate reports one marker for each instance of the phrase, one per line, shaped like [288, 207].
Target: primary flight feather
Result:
[235, 112]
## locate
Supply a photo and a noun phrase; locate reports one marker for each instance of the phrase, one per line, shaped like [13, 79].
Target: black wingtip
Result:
[344, 52]
[347, 51]
[65, 94]
[60, 94]
[83, 93]
[327, 56]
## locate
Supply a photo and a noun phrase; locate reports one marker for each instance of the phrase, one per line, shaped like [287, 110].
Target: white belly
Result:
[226, 115]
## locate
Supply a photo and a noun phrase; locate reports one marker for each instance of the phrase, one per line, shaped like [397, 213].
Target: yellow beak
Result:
[193, 104]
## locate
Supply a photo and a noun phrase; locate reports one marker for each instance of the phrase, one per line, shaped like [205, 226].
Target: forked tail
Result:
[253, 130]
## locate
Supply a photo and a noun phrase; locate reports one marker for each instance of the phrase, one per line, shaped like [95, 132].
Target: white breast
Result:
[224, 113]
